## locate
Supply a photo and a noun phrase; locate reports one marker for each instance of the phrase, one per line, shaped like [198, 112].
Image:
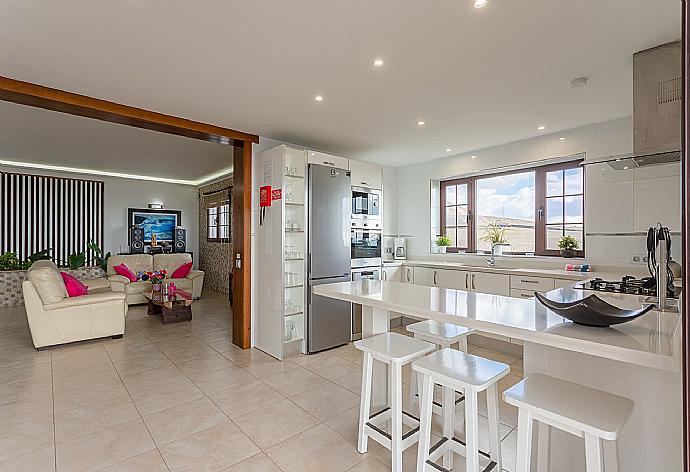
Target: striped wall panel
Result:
[39, 212]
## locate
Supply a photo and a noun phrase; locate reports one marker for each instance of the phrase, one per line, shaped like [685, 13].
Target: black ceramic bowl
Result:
[592, 311]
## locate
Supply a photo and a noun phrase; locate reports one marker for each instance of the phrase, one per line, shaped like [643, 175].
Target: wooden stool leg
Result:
[494, 435]
[425, 413]
[365, 402]
[543, 447]
[448, 424]
[524, 441]
[594, 454]
[471, 431]
[396, 417]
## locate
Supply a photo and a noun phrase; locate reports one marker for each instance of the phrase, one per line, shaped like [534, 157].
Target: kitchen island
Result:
[639, 360]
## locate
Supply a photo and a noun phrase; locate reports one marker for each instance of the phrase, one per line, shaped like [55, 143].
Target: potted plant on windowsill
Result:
[568, 245]
[443, 242]
[496, 234]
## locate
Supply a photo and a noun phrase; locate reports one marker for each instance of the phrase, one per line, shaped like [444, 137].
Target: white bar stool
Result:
[395, 350]
[444, 335]
[586, 412]
[456, 370]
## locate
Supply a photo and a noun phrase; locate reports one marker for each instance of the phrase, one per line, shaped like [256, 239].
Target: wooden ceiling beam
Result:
[26, 93]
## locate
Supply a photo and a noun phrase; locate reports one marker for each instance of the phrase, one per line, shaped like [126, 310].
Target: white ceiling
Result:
[478, 77]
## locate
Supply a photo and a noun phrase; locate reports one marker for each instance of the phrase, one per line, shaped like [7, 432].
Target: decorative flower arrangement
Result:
[156, 277]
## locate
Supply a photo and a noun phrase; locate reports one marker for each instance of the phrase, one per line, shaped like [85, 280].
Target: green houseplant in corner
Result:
[9, 261]
[76, 261]
[443, 242]
[36, 256]
[100, 258]
[568, 245]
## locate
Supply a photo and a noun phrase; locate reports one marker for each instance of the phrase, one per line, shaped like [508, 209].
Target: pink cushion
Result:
[182, 271]
[125, 271]
[74, 287]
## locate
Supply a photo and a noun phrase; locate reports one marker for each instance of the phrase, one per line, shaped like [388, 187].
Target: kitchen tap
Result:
[492, 260]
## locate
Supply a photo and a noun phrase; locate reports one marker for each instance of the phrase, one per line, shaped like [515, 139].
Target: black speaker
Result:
[136, 240]
[180, 240]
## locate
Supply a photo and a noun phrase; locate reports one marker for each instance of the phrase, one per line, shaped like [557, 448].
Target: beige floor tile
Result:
[257, 463]
[222, 345]
[168, 395]
[305, 360]
[24, 389]
[326, 400]
[335, 367]
[153, 378]
[150, 461]
[276, 423]
[26, 409]
[21, 439]
[294, 381]
[509, 451]
[517, 368]
[79, 395]
[13, 374]
[182, 420]
[354, 355]
[495, 356]
[72, 424]
[352, 382]
[76, 359]
[216, 335]
[104, 448]
[185, 353]
[210, 450]
[347, 425]
[383, 455]
[132, 365]
[246, 398]
[319, 449]
[42, 460]
[204, 364]
[370, 465]
[263, 368]
[240, 356]
[219, 380]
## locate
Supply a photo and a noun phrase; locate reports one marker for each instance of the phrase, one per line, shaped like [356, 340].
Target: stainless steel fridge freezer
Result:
[329, 200]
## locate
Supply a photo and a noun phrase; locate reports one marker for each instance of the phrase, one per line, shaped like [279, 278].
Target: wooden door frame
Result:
[26, 93]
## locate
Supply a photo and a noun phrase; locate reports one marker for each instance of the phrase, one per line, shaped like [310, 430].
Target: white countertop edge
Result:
[526, 271]
[629, 356]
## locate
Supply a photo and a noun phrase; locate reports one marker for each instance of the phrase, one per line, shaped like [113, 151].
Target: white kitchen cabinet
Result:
[407, 274]
[457, 279]
[486, 282]
[426, 276]
[517, 293]
[366, 174]
[392, 274]
[321, 158]
[529, 283]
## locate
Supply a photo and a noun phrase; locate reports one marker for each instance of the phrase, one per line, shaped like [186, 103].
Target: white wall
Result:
[121, 194]
[623, 207]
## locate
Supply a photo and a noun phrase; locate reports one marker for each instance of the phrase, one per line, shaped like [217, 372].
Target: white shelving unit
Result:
[281, 262]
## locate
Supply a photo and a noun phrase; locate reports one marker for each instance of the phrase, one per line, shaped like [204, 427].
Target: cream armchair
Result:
[193, 283]
[54, 318]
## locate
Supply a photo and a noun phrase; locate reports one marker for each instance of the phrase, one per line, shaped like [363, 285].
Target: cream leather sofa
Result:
[54, 318]
[193, 283]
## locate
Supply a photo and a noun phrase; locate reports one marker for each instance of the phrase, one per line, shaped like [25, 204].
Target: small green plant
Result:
[568, 243]
[43, 255]
[100, 258]
[76, 261]
[443, 241]
[495, 232]
[9, 261]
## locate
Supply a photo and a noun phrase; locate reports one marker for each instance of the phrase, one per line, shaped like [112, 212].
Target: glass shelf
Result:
[294, 286]
[294, 313]
[291, 176]
[294, 230]
[294, 203]
[294, 258]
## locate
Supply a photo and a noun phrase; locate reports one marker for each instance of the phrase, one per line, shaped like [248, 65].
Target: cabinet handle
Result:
[467, 284]
[473, 287]
[525, 281]
[328, 163]
[385, 276]
[435, 278]
[408, 275]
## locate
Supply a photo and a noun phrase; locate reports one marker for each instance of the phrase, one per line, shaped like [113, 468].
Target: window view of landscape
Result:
[505, 212]
[564, 206]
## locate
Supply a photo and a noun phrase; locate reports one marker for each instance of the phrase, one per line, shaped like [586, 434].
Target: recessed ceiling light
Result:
[318, 98]
[541, 127]
[449, 150]
[618, 160]
[378, 62]
[480, 3]
[561, 139]
[421, 123]
[579, 82]
[626, 168]
[474, 157]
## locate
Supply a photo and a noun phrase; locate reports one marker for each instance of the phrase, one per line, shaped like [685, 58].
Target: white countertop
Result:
[527, 271]
[653, 340]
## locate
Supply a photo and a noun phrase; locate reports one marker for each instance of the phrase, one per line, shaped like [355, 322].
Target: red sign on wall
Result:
[277, 194]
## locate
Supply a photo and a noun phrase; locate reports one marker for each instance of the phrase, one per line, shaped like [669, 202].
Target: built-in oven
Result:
[365, 246]
[366, 203]
[373, 273]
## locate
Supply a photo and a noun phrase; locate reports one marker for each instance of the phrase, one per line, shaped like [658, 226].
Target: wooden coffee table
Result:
[175, 309]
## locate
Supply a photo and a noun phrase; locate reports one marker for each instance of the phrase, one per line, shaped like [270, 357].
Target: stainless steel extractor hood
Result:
[657, 100]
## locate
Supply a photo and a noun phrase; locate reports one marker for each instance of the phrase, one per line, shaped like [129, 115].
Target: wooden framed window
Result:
[218, 220]
[534, 207]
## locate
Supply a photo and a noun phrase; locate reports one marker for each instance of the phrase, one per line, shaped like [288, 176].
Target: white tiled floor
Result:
[183, 398]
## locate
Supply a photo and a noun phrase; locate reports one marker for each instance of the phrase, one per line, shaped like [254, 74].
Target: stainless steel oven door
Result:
[366, 203]
[365, 247]
[373, 273]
